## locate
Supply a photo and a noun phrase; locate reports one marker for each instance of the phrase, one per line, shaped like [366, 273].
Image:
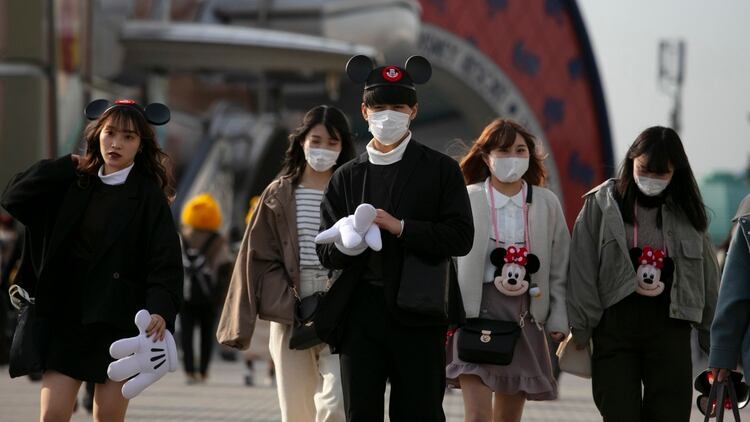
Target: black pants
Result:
[376, 349]
[641, 366]
[191, 316]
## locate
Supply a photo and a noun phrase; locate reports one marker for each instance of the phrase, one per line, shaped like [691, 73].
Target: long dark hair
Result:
[337, 126]
[501, 133]
[661, 146]
[150, 157]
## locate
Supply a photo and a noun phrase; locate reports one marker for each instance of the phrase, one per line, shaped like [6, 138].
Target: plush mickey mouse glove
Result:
[355, 233]
[142, 357]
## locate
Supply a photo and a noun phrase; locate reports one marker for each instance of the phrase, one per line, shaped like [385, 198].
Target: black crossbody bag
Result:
[303, 334]
[489, 341]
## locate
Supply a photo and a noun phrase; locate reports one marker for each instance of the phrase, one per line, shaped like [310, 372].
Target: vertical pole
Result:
[51, 71]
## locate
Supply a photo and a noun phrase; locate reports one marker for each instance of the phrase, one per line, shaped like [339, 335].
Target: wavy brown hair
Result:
[501, 133]
[150, 158]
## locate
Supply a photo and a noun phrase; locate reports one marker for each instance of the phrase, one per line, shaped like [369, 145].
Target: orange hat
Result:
[202, 212]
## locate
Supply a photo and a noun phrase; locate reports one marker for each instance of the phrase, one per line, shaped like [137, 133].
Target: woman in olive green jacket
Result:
[641, 271]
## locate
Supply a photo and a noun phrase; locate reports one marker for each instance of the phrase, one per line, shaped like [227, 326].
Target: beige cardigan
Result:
[550, 241]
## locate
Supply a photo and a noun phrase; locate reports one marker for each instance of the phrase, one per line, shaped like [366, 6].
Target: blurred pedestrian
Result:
[103, 246]
[277, 263]
[642, 270]
[505, 174]
[207, 268]
[729, 331]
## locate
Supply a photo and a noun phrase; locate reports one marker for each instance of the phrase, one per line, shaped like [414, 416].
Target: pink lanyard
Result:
[525, 217]
[635, 231]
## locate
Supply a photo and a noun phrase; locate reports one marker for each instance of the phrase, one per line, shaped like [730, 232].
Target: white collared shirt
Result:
[508, 212]
[117, 178]
[385, 158]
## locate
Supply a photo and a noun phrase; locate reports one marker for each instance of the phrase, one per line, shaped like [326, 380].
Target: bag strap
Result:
[295, 292]
[717, 395]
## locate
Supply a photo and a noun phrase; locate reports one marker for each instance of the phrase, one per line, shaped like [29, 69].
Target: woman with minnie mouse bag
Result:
[642, 270]
[513, 281]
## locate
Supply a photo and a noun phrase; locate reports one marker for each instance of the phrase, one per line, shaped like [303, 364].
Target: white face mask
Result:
[388, 126]
[321, 159]
[509, 169]
[650, 186]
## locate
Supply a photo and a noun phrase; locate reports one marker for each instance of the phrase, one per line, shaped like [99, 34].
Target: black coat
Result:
[430, 196]
[138, 264]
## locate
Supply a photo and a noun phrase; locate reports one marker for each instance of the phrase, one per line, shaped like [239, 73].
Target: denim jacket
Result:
[729, 332]
[601, 273]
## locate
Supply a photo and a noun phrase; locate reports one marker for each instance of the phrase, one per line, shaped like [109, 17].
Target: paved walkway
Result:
[225, 398]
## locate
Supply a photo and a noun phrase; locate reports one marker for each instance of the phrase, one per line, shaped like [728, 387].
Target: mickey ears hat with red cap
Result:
[155, 113]
[417, 70]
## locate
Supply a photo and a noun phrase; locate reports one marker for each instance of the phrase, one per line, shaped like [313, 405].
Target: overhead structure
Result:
[175, 46]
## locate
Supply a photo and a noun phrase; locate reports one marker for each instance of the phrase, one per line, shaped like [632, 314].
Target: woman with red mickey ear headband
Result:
[642, 271]
[512, 281]
[103, 246]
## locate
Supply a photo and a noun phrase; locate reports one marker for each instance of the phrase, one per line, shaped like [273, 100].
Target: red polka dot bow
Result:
[516, 256]
[653, 257]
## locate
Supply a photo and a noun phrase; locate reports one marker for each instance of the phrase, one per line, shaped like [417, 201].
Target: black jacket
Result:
[139, 263]
[430, 196]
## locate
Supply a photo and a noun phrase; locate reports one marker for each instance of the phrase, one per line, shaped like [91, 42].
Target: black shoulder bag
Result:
[489, 341]
[303, 330]
[25, 355]
[425, 284]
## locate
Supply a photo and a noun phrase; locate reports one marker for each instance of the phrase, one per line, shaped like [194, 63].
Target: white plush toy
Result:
[354, 233]
[142, 357]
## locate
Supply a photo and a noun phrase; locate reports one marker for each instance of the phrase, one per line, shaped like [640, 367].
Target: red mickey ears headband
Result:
[516, 256]
[653, 257]
[155, 113]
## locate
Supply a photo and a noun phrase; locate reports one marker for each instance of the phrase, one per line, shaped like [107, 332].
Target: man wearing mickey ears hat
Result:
[372, 314]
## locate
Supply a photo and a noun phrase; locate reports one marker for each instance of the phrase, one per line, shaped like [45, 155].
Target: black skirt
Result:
[79, 351]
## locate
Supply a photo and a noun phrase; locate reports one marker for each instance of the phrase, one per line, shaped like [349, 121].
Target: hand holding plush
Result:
[354, 233]
[143, 357]
[652, 266]
[514, 269]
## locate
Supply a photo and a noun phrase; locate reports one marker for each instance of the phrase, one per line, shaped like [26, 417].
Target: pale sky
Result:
[716, 93]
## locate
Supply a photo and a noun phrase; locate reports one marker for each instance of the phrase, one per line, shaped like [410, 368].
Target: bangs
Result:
[656, 156]
[123, 119]
[503, 135]
[332, 132]
[389, 95]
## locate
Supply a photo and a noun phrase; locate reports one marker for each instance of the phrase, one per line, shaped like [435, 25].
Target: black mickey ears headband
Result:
[417, 70]
[155, 113]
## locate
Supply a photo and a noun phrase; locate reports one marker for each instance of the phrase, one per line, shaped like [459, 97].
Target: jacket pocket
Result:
[690, 272]
[692, 249]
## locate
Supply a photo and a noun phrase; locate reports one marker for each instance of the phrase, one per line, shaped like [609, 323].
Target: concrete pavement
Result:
[225, 398]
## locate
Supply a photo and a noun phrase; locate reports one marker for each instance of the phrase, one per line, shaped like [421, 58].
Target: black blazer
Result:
[139, 263]
[430, 196]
